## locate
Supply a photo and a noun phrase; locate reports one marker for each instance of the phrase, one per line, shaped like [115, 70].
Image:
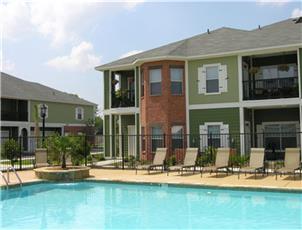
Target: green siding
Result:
[232, 69]
[106, 89]
[228, 116]
[127, 120]
[63, 113]
[107, 137]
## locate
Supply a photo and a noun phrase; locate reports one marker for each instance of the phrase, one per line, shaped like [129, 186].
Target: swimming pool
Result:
[97, 205]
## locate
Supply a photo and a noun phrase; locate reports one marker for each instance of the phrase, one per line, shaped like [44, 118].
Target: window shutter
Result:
[202, 80]
[203, 131]
[224, 137]
[259, 129]
[223, 78]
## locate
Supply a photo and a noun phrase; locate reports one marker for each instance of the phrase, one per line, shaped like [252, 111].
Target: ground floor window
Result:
[214, 134]
[279, 136]
[157, 138]
[177, 136]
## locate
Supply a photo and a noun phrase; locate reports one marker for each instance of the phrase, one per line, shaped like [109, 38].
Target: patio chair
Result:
[41, 159]
[256, 163]
[189, 161]
[158, 161]
[291, 162]
[221, 162]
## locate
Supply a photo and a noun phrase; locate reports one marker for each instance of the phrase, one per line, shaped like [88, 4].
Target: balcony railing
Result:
[270, 88]
[14, 116]
[125, 98]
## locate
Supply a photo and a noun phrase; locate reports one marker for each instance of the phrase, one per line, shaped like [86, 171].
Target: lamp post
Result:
[43, 110]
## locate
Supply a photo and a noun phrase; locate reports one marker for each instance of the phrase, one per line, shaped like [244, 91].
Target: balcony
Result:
[122, 98]
[273, 88]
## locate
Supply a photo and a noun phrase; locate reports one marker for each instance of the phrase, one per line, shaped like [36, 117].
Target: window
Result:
[79, 113]
[177, 136]
[280, 136]
[215, 134]
[157, 138]
[212, 79]
[176, 76]
[273, 72]
[142, 83]
[39, 110]
[155, 81]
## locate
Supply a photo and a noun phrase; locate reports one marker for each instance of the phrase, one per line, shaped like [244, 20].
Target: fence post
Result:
[164, 140]
[211, 147]
[123, 157]
[85, 149]
[20, 152]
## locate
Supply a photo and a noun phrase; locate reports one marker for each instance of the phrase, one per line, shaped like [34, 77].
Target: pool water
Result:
[96, 205]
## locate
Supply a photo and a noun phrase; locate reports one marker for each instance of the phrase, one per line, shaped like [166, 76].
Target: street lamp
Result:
[43, 110]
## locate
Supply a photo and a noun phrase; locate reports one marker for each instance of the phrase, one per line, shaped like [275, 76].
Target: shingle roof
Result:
[15, 88]
[222, 40]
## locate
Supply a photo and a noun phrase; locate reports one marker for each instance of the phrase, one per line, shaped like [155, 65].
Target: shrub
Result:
[10, 150]
[238, 160]
[208, 157]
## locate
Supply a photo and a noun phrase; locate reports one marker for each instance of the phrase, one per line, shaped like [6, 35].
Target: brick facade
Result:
[165, 110]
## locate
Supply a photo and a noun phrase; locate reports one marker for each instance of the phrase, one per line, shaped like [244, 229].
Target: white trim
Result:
[110, 135]
[122, 111]
[242, 123]
[239, 64]
[81, 109]
[272, 103]
[187, 101]
[279, 122]
[135, 88]
[299, 72]
[214, 105]
[109, 98]
[213, 123]
[120, 137]
[244, 52]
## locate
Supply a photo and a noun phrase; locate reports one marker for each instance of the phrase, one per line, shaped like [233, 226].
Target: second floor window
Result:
[212, 79]
[176, 76]
[155, 81]
[79, 112]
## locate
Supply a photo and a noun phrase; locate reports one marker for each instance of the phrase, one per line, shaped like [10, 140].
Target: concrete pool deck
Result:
[286, 182]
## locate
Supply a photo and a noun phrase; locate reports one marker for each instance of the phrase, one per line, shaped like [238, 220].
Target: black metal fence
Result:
[124, 151]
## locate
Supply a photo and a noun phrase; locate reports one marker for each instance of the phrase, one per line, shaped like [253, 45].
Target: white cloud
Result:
[296, 13]
[272, 2]
[130, 53]
[15, 19]
[60, 21]
[81, 58]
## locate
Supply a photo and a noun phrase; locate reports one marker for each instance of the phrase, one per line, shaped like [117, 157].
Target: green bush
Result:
[238, 160]
[171, 161]
[208, 157]
[10, 151]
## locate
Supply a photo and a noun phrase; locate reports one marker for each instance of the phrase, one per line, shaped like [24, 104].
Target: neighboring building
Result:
[66, 113]
[226, 81]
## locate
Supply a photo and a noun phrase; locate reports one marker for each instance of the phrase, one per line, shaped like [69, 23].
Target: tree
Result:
[11, 150]
[98, 125]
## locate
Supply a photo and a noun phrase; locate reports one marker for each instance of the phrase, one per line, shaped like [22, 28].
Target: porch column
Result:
[110, 135]
[120, 135]
[300, 123]
[241, 118]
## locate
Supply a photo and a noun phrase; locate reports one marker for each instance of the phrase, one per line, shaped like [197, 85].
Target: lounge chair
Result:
[41, 159]
[158, 161]
[221, 162]
[291, 162]
[189, 161]
[256, 163]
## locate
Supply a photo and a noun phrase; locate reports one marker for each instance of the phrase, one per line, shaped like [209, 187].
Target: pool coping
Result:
[168, 184]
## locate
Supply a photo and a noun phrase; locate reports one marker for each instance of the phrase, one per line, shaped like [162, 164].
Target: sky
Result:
[59, 42]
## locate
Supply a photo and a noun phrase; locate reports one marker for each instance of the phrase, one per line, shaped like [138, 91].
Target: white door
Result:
[131, 140]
